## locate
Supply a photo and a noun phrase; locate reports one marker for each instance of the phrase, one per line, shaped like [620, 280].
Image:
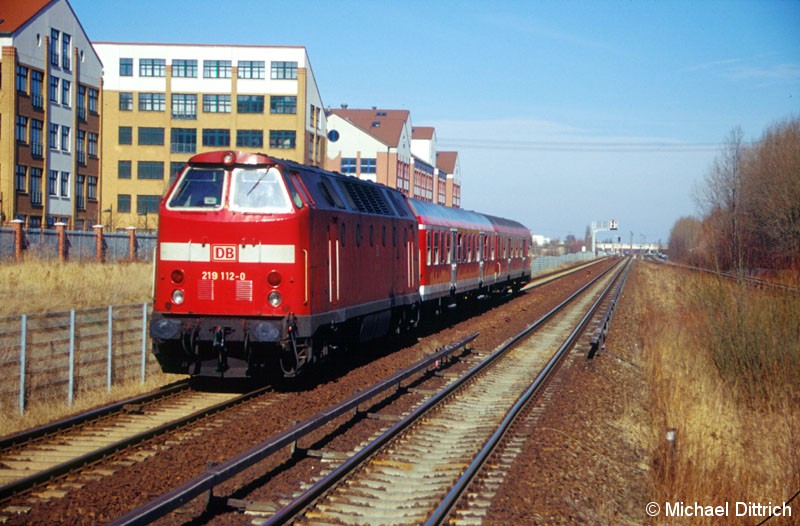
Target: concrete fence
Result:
[18, 242]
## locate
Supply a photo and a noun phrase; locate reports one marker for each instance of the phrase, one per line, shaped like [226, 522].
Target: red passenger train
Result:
[264, 265]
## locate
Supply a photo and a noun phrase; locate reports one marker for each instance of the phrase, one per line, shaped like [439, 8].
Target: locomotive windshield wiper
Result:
[260, 178]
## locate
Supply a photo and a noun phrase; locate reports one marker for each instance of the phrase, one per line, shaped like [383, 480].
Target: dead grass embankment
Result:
[723, 365]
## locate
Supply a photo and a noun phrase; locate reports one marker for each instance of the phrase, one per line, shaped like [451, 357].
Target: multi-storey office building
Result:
[163, 103]
[49, 116]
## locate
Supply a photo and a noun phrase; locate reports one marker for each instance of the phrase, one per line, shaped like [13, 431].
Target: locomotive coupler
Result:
[219, 346]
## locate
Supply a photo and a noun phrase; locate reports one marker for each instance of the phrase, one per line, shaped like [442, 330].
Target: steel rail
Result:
[295, 507]
[215, 475]
[449, 501]
[8, 490]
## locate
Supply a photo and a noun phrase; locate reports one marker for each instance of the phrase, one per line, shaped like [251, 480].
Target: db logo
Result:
[223, 252]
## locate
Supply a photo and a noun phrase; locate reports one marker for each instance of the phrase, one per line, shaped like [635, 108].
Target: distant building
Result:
[381, 145]
[50, 108]
[163, 103]
[449, 166]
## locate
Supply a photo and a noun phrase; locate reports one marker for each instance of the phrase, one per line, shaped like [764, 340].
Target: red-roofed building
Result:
[49, 116]
[371, 144]
[381, 145]
[447, 163]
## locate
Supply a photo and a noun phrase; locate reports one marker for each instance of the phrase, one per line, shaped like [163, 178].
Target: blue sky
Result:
[562, 112]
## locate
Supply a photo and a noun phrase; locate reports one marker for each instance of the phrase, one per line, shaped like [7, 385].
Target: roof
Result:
[422, 132]
[16, 13]
[446, 161]
[385, 125]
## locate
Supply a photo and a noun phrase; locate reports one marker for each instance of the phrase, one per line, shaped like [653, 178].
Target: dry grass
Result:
[47, 286]
[37, 286]
[738, 427]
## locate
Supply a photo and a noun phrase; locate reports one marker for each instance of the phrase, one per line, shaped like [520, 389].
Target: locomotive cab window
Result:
[199, 188]
[259, 190]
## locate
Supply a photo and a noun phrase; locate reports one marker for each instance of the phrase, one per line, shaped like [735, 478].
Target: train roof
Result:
[437, 215]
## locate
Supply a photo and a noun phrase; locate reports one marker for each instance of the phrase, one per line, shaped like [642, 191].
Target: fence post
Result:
[23, 346]
[99, 244]
[70, 395]
[63, 244]
[110, 346]
[131, 243]
[144, 340]
[19, 244]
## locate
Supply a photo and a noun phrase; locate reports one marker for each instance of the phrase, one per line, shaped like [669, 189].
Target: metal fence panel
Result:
[51, 343]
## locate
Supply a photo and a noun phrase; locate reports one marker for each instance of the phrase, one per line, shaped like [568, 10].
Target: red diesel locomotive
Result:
[264, 263]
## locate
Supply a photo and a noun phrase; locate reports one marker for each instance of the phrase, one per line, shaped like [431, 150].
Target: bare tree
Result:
[771, 188]
[720, 200]
[684, 240]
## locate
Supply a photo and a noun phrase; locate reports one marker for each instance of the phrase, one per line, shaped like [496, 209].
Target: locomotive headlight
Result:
[274, 298]
[177, 296]
[274, 278]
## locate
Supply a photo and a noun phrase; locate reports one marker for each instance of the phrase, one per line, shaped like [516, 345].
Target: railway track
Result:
[415, 470]
[32, 458]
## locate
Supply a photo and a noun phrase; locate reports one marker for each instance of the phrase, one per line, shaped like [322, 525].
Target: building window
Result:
[37, 78]
[124, 203]
[91, 188]
[36, 186]
[22, 79]
[21, 178]
[250, 138]
[348, 165]
[37, 132]
[150, 170]
[184, 106]
[125, 135]
[152, 67]
[184, 140]
[283, 104]
[284, 70]
[126, 101]
[250, 103]
[53, 136]
[65, 131]
[54, 34]
[93, 139]
[94, 96]
[126, 67]
[217, 103]
[251, 69]
[123, 169]
[367, 165]
[65, 92]
[175, 169]
[65, 52]
[53, 89]
[81, 104]
[152, 102]
[22, 129]
[80, 151]
[147, 204]
[283, 139]
[80, 200]
[52, 183]
[64, 184]
[184, 68]
[151, 136]
[216, 137]
[217, 69]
